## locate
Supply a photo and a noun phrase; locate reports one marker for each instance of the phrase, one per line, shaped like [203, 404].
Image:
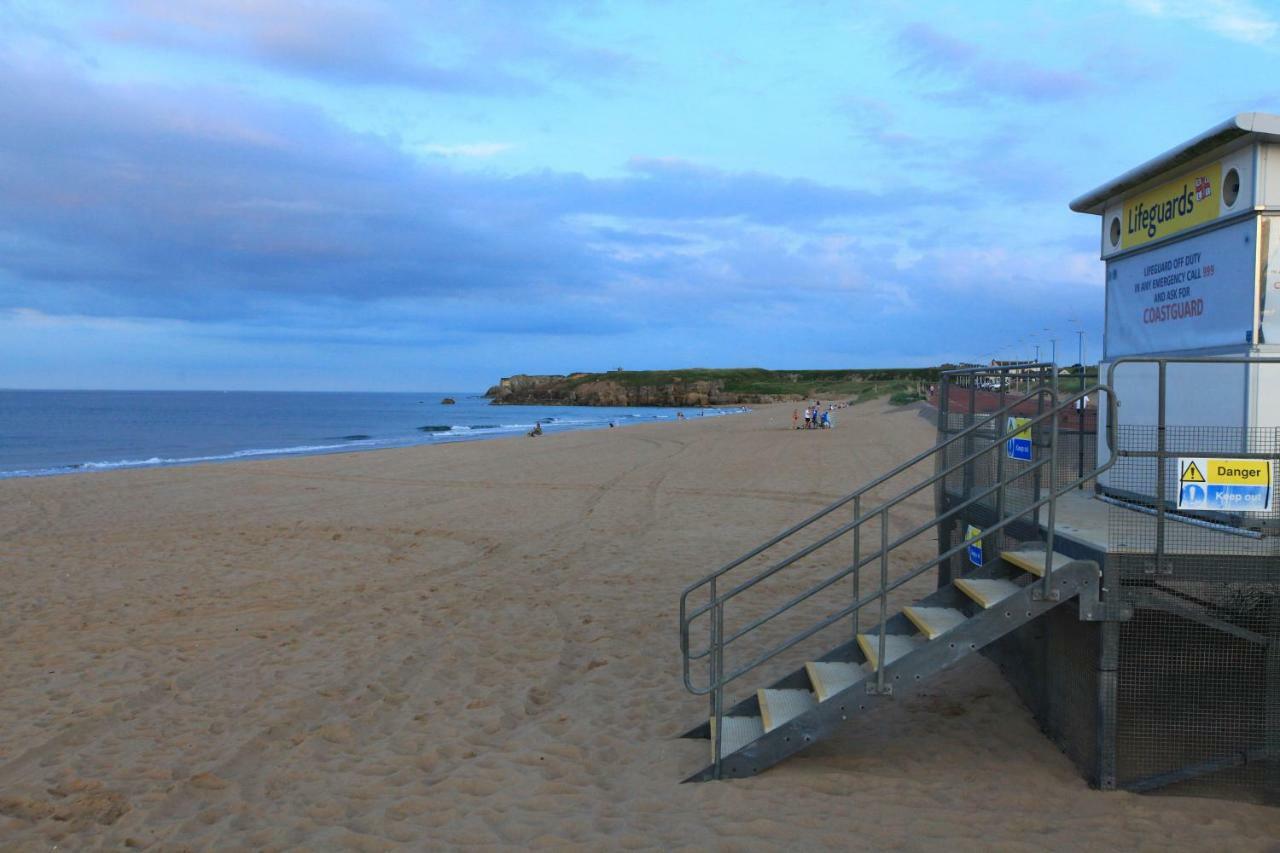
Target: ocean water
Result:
[44, 433]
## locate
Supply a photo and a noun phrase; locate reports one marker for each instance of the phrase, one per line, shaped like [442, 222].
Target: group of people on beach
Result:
[815, 417]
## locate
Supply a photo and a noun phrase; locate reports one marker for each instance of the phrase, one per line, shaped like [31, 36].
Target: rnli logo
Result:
[1204, 188]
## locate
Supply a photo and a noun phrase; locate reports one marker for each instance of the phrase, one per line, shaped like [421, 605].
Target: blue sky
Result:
[374, 195]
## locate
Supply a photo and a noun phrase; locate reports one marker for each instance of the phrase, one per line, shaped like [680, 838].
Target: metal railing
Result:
[1161, 453]
[714, 609]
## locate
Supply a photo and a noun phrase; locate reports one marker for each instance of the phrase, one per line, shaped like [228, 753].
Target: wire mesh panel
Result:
[1198, 682]
[1134, 481]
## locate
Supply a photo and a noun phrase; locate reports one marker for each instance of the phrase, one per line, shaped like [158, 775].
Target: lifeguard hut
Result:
[1120, 562]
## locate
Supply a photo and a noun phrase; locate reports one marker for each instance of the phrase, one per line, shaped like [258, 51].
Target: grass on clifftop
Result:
[851, 384]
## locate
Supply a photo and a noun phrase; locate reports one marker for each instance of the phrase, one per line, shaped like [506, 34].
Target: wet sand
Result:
[475, 644]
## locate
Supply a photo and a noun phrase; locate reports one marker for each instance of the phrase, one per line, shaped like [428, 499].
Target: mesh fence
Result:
[1184, 697]
[975, 399]
[1198, 681]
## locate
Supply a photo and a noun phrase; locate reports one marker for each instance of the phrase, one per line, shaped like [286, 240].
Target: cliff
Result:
[700, 387]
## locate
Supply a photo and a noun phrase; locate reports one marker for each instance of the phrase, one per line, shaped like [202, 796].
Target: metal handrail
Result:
[822, 513]
[718, 679]
[901, 540]
[910, 576]
[877, 511]
[883, 478]
[858, 521]
[1161, 452]
[1162, 362]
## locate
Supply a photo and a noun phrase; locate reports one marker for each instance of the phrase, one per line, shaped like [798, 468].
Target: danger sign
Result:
[1225, 485]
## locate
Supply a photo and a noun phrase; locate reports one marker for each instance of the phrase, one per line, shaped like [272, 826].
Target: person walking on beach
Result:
[826, 419]
[795, 419]
[807, 416]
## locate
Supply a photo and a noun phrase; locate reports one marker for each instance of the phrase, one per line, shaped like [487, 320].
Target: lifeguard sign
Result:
[1191, 241]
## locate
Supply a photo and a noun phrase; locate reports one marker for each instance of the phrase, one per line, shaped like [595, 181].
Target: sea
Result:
[47, 433]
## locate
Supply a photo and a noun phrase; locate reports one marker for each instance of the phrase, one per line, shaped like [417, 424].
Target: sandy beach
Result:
[475, 644]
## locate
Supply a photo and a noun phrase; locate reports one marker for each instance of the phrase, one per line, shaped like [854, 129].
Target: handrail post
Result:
[884, 595]
[997, 544]
[941, 500]
[1080, 407]
[1160, 451]
[857, 558]
[1047, 589]
[972, 418]
[1035, 478]
[715, 665]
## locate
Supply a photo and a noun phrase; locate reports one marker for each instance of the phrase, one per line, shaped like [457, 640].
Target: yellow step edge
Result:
[1033, 561]
[920, 617]
[738, 732]
[895, 646]
[829, 678]
[987, 593]
[869, 648]
[778, 707]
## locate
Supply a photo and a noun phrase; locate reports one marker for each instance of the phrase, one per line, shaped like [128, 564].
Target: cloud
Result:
[450, 48]
[1238, 20]
[876, 121]
[468, 149]
[213, 205]
[978, 78]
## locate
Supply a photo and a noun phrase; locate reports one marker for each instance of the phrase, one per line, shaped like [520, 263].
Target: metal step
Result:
[779, 706]
[836, 684]
[1033, 560]
[933, 622]
[831, 677]
[895, 646]
[987, 592]
[738, 732]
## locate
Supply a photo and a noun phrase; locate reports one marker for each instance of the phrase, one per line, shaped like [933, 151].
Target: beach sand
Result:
[475, 644]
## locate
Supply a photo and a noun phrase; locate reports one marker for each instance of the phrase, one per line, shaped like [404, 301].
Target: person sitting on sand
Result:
[536, 431]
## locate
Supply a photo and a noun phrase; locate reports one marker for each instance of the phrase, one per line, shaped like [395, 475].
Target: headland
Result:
[706, 386]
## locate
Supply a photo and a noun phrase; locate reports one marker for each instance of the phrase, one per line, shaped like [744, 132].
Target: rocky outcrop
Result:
[584, 389]
[448, 401]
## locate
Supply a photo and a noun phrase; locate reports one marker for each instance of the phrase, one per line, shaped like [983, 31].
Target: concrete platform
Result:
[1109, 526]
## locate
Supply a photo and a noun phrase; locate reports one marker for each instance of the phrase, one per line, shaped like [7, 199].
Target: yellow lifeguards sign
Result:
[1225, 485]
[1189, 200]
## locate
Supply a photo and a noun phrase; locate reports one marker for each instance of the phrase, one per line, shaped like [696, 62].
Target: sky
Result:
[368, 195]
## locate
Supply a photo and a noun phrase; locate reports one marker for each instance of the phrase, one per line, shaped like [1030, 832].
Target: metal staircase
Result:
[868, 659]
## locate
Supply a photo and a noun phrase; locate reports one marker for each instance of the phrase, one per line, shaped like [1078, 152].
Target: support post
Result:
[1108, 666]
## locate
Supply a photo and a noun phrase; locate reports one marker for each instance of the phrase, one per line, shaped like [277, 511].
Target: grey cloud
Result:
[143, 201]
[977, 78]
[463, 48]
